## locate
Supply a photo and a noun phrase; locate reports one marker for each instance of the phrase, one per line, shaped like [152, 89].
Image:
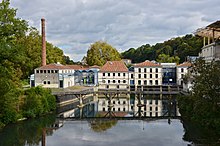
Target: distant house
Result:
[127, 61]
[113, 75]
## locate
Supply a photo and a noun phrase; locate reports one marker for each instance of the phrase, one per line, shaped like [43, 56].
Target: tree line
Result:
[173, 50]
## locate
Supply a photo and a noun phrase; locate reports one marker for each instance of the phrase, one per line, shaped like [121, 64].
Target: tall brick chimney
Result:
[43, 55]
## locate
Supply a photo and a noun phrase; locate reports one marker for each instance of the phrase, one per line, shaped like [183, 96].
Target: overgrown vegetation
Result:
[203, 105]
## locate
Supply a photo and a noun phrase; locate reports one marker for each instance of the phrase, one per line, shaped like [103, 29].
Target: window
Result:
[181, 75]
[150, 75]
[139, 76]
[113, 109]
[156, 75]
[119, 109]
[182, 70]
[156, 114]
[145, 70]
[145, 76]
[124, 74]
[108, 74]
[113, 74]
[156, 102]
[124, 109]
[145, 82]
[139, 70]
[108, 81]
[103, 74]
[52, 71]
[156, 82]
[113, 81]
[150, 114]
[48, 82]
[56, 71]
[139, 82]
[124, 102]
[150, 108]
[107, 86]
[119, 81]
[119, 102]
[156, 70]
[151, 82]
[150, 101]
[113, 102]
[37, 71]
[124, 81]
[48, 71]
[132, 75]
[118, 86]
[119, 74]
[45, 82]
[156, 108]
[41, 71]
[45, 71]
[103, 109]
[103, 81]
[150, 69]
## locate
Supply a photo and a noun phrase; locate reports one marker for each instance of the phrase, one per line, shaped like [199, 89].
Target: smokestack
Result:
[43, 55]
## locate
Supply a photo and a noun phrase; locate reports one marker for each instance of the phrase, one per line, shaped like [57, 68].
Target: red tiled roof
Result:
[114, 66]
[54, 66]
[95, 66]
[148, 64]
[185, 64]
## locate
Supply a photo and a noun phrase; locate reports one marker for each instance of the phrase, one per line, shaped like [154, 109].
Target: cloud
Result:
[123, 24]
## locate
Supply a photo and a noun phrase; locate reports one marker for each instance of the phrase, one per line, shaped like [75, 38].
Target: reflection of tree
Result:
[26, 132]
[100, 125]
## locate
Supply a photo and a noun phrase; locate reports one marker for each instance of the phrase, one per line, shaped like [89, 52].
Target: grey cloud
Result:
[123, 24]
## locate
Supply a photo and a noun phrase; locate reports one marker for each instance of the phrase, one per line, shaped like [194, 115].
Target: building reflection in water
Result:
[123, 106]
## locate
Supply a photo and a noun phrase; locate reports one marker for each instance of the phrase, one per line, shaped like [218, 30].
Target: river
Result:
[157, 128]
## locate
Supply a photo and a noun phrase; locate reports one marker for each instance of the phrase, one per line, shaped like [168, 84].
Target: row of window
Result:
[114, 81]
[47, 71]
[114, 102]
[113, 74]
[113, 109]
[145, 76]
[46, 82]
[145, 70]
[149, 83]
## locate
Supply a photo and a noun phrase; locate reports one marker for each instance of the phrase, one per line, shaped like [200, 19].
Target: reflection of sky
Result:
[124, 133]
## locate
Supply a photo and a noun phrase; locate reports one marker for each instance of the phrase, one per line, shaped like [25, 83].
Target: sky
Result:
[73, 25]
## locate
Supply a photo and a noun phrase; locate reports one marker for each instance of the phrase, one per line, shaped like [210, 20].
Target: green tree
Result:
[202, 106]
[163, 58]
[101, 52]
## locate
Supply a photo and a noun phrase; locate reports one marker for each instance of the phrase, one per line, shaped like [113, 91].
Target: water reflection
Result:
[147, 121]
[129, 106]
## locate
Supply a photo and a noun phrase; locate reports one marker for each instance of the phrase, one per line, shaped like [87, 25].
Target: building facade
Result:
[147, 73]
[113, 75]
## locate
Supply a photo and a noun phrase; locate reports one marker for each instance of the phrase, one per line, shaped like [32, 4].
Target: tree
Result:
[203, 104]
[163, 58]
[100, 52]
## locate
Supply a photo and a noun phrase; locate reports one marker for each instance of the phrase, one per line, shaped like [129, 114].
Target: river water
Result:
[160, 128]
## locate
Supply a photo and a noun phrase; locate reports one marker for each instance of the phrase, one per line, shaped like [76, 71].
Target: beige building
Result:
[113, 75]
[211, 41]
[147, 73]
